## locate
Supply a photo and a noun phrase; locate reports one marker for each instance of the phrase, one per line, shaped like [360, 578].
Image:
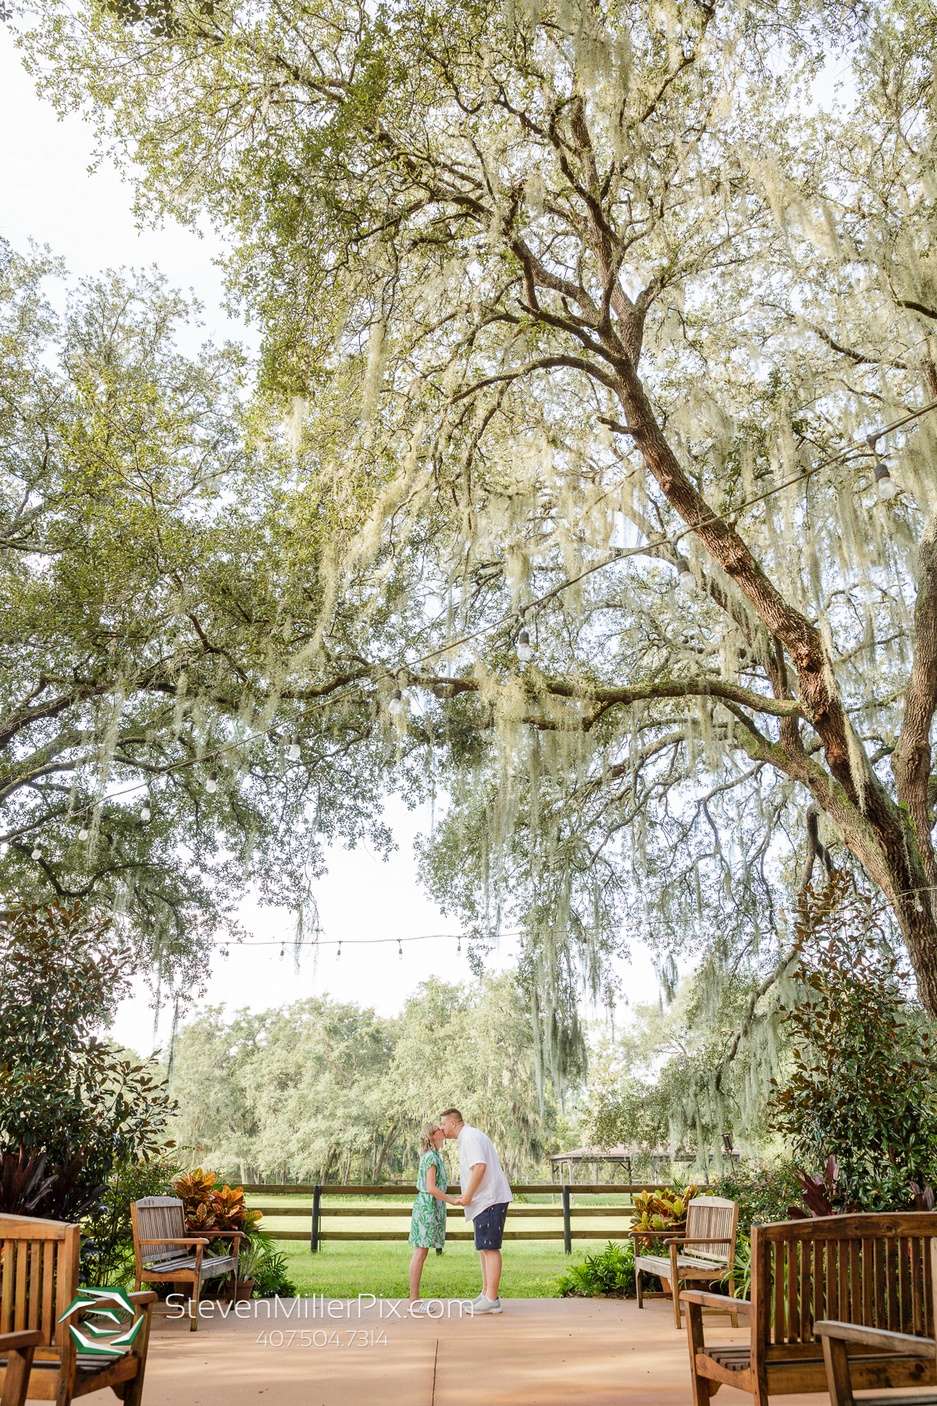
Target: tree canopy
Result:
[570, 305]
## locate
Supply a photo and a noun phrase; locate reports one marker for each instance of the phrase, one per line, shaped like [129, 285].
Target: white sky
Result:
[48, 195]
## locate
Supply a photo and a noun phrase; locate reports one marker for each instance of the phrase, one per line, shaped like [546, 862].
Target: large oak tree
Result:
[531, 274]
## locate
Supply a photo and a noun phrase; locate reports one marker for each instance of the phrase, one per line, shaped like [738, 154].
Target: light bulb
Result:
[396, 704]
[399, 948]
[339, 952]
[211, 785]
[145, 812]
[685, 578]
[525, 649]
[293, 752]
[83, 833]
[37, 852]
[887, 488]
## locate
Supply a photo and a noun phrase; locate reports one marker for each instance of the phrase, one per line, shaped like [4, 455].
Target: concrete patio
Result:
[539, 1352]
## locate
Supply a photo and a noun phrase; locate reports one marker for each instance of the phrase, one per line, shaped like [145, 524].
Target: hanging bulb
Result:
[282, 952]
[918, 905]
[83, 832]
[399, 948]
[525, 650]
[211, 785]
[458, 946]
[145, 812]
[339, 952]
[37, 851]
[293, 752]
[396, 704]
[224, 951]
[887, 488]
[685, 578]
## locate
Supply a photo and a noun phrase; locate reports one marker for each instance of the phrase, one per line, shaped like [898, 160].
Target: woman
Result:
[428, 1223]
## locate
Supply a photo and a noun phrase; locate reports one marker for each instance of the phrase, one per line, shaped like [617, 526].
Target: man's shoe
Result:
[486, 1305]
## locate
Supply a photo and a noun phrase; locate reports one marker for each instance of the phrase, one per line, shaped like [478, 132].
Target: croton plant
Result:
[662, 1212]
[208, 1207]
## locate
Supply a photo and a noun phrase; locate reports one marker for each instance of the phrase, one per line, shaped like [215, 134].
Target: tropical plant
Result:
[209, 1208]
[268, 1267]
[610, 1273]
[662, 1212]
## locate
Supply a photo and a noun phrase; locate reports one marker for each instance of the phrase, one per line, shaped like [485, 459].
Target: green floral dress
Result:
[428, 1224]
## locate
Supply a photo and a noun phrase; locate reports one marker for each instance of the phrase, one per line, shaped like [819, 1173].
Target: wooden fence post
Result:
[316, 1218]
[567, 1227]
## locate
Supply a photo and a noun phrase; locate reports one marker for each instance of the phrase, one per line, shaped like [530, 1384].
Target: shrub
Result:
[610, 1273]
[863, 1088]
[107, 1253]
[763, 1193]
[71, 1108]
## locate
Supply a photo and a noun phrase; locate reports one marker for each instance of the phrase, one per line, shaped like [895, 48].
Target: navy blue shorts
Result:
[489, 1226]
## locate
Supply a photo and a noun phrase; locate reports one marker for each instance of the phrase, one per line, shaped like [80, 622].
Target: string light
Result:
[685, 578]
[399, 948]
[83, 832]
[37, 851]
[886, 485]
[525, 649]
[211, 785]
[145, 811]
[396, 704]
[293, 752]
[282, 951]
[458, 946]
[339, 952]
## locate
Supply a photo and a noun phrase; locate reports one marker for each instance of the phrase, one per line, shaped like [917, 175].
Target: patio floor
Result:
[538, 1352]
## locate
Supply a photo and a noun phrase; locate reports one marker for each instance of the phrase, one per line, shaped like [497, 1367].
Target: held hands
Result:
[464, 1199]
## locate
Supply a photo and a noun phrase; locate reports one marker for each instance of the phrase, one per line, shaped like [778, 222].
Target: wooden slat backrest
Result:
[711, 1218]
[38, 1275]
[156, 1216]
[873, 1270]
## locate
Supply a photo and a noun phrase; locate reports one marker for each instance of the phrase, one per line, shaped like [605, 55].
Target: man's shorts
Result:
[489, 1226]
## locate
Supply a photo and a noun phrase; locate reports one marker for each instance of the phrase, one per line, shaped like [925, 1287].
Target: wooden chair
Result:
[707, 1253]
[865, 1271]
[837, 1338]
[16, 1355]
[38, 1281]
[164, 1253]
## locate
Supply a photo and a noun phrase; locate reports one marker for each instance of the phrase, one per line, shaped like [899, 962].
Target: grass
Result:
[345, 1269]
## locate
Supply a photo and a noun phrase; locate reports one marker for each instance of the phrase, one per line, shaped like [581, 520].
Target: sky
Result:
[47, 194]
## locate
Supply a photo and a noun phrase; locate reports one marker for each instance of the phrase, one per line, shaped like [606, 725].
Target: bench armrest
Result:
[723, 1301]
[882, 1338]
[168, 1240]
[15, 1342]
[229, 1235]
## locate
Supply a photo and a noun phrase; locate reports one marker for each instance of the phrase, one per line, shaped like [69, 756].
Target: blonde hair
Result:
[426, 1137]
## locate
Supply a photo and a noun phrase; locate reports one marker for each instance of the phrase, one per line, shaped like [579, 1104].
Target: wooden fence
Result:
[568, 1211]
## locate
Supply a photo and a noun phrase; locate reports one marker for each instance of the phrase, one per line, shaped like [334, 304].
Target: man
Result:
[485, 1196]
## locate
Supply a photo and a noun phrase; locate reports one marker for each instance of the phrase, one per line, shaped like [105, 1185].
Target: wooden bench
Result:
[164, 1253]
[38, 1282]
[16, 1353]
[705, 1251]
[867, 1271]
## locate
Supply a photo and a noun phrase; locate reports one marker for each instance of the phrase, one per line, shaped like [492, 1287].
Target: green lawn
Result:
[344, 1269]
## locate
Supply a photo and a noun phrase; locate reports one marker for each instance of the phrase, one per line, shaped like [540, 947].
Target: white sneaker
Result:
[486, 1305]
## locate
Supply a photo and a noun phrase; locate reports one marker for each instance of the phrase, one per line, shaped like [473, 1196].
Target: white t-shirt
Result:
[474, 1147]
